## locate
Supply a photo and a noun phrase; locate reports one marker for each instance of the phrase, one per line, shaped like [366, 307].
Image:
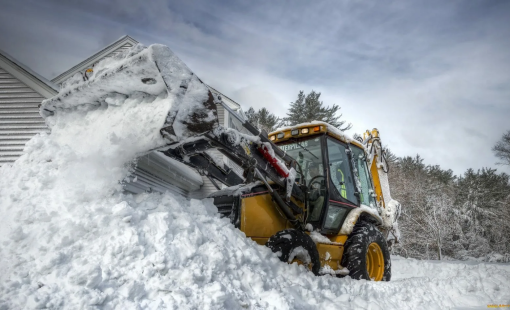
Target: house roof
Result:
[26, 75]
[87, 63]
[231, 103]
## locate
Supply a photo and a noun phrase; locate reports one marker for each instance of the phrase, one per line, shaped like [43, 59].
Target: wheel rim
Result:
[375, 262]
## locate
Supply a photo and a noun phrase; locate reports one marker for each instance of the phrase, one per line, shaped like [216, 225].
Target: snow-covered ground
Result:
[71, 239]
[158, 251]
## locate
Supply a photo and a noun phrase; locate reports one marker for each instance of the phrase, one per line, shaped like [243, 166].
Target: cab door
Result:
[343, 196]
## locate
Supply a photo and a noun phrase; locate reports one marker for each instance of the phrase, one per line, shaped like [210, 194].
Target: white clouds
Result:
[258, 98]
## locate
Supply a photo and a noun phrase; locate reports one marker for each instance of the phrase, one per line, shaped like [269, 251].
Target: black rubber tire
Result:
[287, 240]
[356, 247]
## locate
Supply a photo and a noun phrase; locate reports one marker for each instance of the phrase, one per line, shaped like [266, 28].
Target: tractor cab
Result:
[333, 169]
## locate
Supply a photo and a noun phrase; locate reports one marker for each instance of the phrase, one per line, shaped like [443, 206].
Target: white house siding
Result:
[156, 172]
[19, 116]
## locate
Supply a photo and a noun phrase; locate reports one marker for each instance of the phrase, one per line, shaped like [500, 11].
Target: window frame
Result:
[338, 197]
[369, 179]
[325, 172]
[320, 221]
[337, 200]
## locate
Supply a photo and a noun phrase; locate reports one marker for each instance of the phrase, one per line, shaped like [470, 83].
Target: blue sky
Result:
[432, 76]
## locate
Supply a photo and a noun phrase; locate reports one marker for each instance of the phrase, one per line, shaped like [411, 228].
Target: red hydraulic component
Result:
[277, 165]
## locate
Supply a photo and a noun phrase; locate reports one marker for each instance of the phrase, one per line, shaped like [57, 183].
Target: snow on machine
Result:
[308, 192]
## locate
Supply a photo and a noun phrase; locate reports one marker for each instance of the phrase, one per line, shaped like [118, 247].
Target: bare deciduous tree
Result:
[445, 216]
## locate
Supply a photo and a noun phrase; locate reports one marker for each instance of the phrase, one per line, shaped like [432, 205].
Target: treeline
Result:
[451, 217]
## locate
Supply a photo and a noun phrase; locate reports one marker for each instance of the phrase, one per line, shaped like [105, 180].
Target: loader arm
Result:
[256, 159]
[190, 127]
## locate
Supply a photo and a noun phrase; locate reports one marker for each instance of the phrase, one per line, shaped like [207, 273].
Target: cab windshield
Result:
[308, 154]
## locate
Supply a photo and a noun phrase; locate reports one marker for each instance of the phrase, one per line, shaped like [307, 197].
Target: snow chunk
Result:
[301, 254]
[236, 190]
[317, 237]
[326, 269]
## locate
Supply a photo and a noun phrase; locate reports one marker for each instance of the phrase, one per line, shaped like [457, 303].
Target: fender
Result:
[353, 216]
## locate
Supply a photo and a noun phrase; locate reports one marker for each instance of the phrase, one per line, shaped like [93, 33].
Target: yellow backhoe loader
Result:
[308, 192]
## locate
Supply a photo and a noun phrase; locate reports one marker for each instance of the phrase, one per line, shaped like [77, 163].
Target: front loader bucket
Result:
[155, 71]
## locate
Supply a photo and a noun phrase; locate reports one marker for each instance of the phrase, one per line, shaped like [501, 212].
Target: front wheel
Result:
[366, 254]
[293, 245]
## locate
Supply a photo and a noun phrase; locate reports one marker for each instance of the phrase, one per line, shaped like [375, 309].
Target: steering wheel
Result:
[314, 193]
[315, 180]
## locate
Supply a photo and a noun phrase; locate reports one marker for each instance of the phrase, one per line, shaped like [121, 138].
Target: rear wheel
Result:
[293, 245]
[366, 254]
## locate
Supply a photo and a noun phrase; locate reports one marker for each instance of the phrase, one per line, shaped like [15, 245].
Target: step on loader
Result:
[308, 192]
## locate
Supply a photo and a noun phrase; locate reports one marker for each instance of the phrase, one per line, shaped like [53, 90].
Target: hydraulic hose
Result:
[279, 201]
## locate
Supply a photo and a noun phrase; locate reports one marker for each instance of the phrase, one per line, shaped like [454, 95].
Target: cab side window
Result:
[367, 191]
[340, 173]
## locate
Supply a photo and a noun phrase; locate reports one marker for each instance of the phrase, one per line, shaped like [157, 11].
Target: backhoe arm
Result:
[378, 165]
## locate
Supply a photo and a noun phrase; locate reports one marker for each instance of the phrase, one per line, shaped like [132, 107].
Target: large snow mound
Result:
[70, 238]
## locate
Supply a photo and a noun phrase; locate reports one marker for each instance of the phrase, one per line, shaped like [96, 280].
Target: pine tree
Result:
[263, 119]
[252, 116]
[309, 108]
[502, 149]
[267, 120]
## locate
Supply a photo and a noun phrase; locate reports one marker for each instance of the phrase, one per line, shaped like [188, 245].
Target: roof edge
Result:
[221, 94]
[91, 59]
[26, 75]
